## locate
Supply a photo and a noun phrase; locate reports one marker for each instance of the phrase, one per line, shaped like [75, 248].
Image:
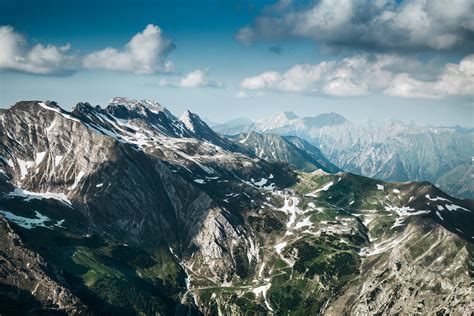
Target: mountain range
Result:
[391, 151]
[130, 210]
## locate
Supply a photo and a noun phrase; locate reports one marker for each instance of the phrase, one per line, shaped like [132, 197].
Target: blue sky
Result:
[224, 59]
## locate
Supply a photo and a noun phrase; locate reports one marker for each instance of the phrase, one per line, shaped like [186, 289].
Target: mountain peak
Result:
[137, 106]
[190, 120]
[290, 115]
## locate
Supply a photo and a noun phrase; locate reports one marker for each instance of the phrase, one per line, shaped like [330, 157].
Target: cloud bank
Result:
[194, 79]
[361, 75]
[369, 24]
[145, 53]
[17, 55]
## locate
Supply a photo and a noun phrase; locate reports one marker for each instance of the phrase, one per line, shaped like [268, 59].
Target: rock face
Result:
[391, 284]
[129, 210]
[290, 149]
[459, 180]
[391, 151]
[28, 284]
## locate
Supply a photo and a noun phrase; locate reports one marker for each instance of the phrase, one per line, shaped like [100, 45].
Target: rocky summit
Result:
[129, 210]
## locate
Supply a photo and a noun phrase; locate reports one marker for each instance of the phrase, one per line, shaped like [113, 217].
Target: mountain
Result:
[460, 180]
[391, 151]
[129, 210]
[290, 149]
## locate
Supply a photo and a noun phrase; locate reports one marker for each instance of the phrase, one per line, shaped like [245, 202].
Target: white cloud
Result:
[455, 80]
[384, 24]
[145, 53]
[361, 75]
[17, 55]
[194, 79]
[352, 76]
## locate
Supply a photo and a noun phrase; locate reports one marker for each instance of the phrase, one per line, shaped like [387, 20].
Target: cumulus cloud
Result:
[381, 24]
[455, 80]
[17, 55]
[194, 79]
[361, 75]
[352, 76]
[145, 53]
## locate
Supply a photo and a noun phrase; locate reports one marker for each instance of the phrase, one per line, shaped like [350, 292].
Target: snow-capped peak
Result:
[138, 106]
[188, 120]
[281, 119]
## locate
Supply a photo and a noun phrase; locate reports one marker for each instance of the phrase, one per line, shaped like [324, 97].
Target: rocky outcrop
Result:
[28, 284]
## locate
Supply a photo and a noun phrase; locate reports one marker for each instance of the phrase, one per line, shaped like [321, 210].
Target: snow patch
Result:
[57, 160]
[323, 188]
[77, 180]
[39, 157]
[261, 291]
[279, 247]
[436, 198]
[29, 223]
[454, 207]
[24, 166]
[28, 195]
[57, 110]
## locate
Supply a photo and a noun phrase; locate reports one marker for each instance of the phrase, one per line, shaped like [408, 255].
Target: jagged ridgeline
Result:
[130, 210]
[392, 151]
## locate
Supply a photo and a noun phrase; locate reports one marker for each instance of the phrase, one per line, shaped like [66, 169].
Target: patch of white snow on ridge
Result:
[305, 222]
[380, 187]
[262, 291]
[454, 207]
[200, 181]
[404, 212]
[29, 223]
[436, 198]
[39, 157]
[396, 191]
[57, 110]
[77, 180]
[259, 183]
[28, 195]
[99, 185]
[323, 188]
[279, 247]
[290, 208]
[57, 160]
[24, 166]
[186, 119]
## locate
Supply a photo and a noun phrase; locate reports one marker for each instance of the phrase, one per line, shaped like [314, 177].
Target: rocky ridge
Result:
[141, 212]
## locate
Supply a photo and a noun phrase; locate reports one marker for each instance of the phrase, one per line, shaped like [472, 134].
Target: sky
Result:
[367, 60]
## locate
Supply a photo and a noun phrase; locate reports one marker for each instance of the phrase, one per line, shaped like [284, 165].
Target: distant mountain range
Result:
[129, 210]
[391, 151]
